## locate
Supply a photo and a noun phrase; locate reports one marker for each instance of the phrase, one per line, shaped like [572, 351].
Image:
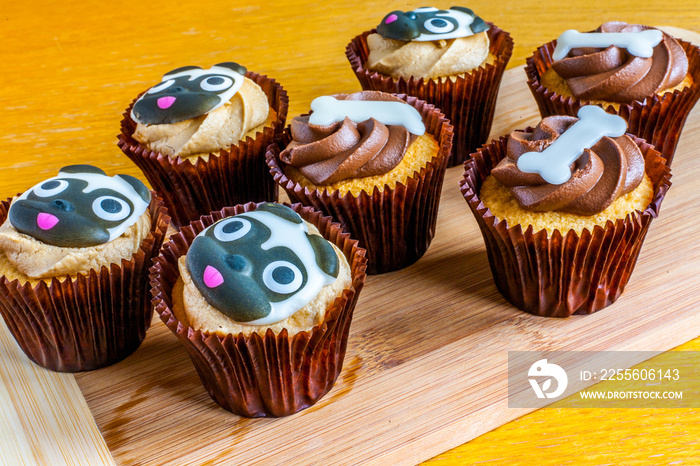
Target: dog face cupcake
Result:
[439, 56]
[641, 73]
[72, 235]
[194, 112]
[258, 270]
[429, 43]
[199, 136]
[564, 208]
[75, 222]
[365, 152]
[262, 297]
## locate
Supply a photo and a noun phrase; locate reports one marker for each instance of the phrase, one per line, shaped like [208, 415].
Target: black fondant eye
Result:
[161, 87]
[231, 230]
[438, 25]
[282, 277]
[111, 208]
[50, 188]
[216, 83]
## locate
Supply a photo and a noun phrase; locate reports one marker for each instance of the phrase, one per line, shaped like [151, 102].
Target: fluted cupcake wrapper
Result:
[274, 374]
[192, 187]
[658, 119]
[90, 321]
[468, 100]
[396, 225]
[557, 276]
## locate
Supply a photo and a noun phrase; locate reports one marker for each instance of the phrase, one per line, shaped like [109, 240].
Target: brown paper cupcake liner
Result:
[468, 102]
[270, 375]
[192, 187]
[90, 321]
[559, 276]
[396, 225]
[658, 119]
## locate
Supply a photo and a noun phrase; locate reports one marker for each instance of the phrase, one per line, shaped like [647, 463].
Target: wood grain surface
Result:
[438, 328]
[44, 418]
[425, 369]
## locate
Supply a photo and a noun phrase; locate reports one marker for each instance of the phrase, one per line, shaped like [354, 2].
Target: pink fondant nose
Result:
[166, 102]
[46, 221]
[212, 277]
[391, 19]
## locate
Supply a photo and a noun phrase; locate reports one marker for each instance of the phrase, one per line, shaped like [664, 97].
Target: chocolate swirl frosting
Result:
[612, 74]
[326, 154]
[606, 171]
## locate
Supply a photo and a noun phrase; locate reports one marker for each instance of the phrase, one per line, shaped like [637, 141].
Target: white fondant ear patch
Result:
[553, 163]
[640, 44]
[328, 110]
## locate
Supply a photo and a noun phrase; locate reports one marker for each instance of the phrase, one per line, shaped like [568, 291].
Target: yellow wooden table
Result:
[69, 69]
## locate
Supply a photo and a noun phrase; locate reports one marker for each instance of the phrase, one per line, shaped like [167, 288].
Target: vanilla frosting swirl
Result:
[613, 74]
[431, 59]
[609, 169]
[326, 154]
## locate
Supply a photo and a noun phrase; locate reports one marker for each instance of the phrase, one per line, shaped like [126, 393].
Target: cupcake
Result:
[199, 136]
[564, 208]
[644, 75]
[74, 256]
[373, 161]
[449, 58]
[262, 297]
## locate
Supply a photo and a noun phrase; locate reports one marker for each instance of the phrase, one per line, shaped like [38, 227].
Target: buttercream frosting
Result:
[430, 59]
[326, 154]
[607, 170]
[614, 74]
[34, 259]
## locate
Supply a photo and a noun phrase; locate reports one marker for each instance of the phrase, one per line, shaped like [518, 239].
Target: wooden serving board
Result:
[426, 364]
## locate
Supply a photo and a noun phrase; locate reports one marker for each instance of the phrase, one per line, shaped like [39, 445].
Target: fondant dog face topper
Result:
[261, 267]
[426, 24]
[187, 93]
[80, 207]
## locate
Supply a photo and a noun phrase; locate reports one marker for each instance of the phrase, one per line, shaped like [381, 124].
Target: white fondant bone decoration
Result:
[640, 44]
[328, 110]
[553, 163]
